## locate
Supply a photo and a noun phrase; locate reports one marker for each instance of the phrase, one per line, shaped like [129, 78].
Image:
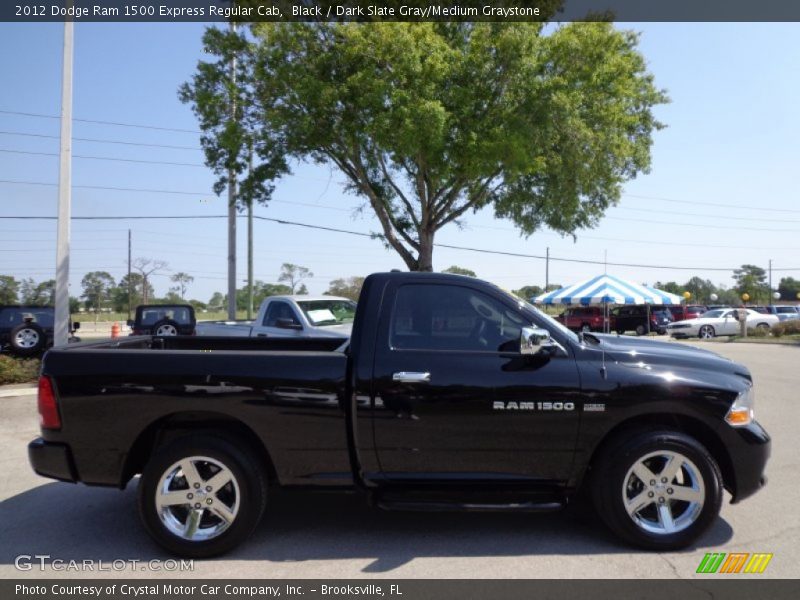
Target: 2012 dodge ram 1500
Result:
[450, 394]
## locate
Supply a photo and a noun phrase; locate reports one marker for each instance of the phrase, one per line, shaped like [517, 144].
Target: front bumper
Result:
[50, 459]
[749, 448]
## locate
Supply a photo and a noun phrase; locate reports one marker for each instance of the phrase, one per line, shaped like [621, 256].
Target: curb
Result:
[25, 389]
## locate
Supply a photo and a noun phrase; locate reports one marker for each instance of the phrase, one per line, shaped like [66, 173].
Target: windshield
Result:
[328, 312]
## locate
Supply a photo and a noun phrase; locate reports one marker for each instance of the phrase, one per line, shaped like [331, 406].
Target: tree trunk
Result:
[425, 258]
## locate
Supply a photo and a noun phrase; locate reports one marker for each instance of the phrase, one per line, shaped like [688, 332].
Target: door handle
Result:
[411, 377]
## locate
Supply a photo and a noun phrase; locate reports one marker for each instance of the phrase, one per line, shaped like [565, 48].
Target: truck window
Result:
[453, 318]
[279, 310]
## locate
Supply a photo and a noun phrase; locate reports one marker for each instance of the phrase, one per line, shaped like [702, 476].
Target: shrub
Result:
[786, 328]
[757, 332]
[18, 370]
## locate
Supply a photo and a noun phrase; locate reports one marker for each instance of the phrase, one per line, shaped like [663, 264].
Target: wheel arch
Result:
[679, 422]
[170, 427]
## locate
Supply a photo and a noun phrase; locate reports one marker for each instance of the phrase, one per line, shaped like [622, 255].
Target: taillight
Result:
[48, 407]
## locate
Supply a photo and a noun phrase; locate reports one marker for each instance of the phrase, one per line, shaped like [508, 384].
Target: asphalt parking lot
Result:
[333, 536]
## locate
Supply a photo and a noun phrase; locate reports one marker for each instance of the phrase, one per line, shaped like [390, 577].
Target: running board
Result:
[470, 507]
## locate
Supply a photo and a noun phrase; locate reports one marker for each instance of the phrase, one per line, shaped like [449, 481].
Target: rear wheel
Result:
[201, 496]
[586, 328]
[706, 332]
[763, 327]
[641, 330]
[659, 490]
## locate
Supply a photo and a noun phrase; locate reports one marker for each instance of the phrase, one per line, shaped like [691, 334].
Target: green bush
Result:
[18, 370]
[786, 328]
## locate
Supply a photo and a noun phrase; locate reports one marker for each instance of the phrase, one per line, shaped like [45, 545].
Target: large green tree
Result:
[429, 121]
[752, 280]
[97, 287]
[38, 294]
[9, 289]
[346, 288]
[293, 276]
[789, 288]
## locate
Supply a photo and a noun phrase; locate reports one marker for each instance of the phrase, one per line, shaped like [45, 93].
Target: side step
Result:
[470, 507]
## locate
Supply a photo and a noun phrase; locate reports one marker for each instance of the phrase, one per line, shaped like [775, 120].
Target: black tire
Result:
[612, 481]
[763, 326]
[27, 339]
[586, 328]
[662, 331]
[248, 485]
[166, 327]
[641, 330]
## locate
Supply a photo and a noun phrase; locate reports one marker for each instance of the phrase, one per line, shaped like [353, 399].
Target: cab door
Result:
[455, 400]
[280, 320]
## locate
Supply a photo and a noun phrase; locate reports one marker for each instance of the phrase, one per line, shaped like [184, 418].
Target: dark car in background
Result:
[582, 318]
[634, 318]
[28, 330]
[163, 320]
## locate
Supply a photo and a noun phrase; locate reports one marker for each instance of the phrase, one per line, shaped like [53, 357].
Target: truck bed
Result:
[288, 392]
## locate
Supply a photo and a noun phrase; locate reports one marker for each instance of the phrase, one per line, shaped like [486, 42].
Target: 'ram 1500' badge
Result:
[500, 405]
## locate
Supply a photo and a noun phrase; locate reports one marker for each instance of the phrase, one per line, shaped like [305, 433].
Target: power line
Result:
[115, 159]
[96, 122]
[715, 204]
[705, 216]
[101, 141]
[376, 236]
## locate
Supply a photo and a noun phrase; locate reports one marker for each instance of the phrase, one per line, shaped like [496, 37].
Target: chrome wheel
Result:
[763, 326]
[26, 338]
[706, 332]
[585, 328]
[166, 329]
[663, 492]
[197, 498]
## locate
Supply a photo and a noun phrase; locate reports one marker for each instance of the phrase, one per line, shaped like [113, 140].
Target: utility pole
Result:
[61, 325]
[250, 247]
[130, 293]
[770, 282]
[232, 204]
[547, 270]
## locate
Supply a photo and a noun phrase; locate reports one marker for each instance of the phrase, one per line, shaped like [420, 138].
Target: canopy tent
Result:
[607, 289]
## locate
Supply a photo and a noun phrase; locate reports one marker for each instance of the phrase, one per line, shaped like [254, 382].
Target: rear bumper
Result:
[53, 460]
[749, 449]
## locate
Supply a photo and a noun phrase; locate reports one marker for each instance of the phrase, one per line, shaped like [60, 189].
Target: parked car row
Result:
[628, 318]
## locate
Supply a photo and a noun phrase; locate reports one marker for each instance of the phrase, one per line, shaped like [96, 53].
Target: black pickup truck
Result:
[450, 394]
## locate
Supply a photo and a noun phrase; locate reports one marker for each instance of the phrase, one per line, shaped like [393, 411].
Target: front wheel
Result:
[586, 328]
[201, 496]
[763, 327]
[659, 490]
[706, 332]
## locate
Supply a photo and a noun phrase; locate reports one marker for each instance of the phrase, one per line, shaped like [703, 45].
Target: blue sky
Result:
[732, 139]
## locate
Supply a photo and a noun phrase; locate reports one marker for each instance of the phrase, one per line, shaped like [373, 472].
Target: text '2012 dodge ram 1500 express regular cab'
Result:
[450, 394]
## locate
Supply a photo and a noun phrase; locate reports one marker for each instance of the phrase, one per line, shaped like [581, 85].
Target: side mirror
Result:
[287, 324]
[534, 340]
[129, 322]
[76, 325]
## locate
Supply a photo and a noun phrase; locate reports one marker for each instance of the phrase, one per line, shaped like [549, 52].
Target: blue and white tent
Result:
[607, 289]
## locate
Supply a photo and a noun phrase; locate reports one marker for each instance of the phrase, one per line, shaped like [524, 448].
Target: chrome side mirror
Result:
[535, 340]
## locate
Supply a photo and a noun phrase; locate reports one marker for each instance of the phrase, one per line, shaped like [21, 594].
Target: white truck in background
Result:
[290, 316]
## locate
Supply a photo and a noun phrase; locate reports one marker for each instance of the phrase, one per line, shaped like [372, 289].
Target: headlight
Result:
[741, 411]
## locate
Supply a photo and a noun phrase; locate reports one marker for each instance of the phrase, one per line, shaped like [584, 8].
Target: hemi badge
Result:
[594, 407]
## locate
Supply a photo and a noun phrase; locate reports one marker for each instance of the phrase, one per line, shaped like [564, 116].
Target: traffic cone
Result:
[115, 330]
